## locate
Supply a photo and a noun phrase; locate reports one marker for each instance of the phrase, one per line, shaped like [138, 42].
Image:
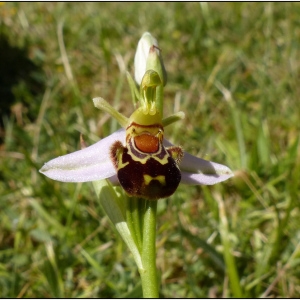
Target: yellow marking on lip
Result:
[144, 160]
[121, 165]
[119, 153]
[160, 178]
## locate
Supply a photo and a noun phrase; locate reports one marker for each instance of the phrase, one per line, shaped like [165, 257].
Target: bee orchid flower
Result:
[96, 162]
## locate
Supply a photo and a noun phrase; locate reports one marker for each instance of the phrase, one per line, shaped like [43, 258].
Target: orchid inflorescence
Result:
[137, 157]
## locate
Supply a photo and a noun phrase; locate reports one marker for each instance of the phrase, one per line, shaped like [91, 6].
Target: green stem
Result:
[149, 273]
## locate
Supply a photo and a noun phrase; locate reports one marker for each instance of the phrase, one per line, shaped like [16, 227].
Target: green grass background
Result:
[233, 68]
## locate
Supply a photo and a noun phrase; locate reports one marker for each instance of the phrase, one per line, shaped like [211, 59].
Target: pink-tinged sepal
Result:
[90, 164]
[195, 170]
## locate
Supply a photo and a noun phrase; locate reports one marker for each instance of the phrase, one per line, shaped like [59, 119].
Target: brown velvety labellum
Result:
[146, 143]
[163, 179]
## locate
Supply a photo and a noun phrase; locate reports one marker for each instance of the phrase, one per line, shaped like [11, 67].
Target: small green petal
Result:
[105, 106]
[173, 118]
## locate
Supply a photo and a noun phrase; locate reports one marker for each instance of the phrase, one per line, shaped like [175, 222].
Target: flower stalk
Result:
[149, 275]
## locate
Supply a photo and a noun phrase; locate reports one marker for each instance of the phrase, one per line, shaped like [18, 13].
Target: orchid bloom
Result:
[138, 156]
[95, 163]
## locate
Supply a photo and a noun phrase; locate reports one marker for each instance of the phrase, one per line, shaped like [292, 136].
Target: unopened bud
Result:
[148, 57]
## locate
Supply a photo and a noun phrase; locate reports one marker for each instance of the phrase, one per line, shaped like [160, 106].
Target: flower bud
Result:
[148, 57]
